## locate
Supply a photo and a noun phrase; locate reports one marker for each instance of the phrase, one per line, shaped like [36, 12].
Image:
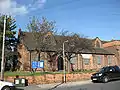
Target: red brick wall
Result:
[112, 43]
[114, 47]
[24, 57]
[25, 60]
[52, 78]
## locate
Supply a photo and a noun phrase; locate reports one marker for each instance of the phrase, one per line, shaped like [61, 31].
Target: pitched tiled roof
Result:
[99, 51]
[28, 40]
[102, 51]
[112, 49]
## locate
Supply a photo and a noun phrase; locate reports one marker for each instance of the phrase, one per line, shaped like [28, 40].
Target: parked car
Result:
[6, 85]
[106, 74]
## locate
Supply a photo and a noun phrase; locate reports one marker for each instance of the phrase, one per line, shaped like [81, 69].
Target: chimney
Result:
[19, 33]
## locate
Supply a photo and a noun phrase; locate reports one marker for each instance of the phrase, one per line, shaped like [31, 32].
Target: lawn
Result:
[22, 73]
[83, 71]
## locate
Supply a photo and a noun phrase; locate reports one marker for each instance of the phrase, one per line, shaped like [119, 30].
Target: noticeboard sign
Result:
[41, 64]
[34, 64]
[38, 64]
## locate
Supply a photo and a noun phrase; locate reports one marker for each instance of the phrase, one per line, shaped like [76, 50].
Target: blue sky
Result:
[92, 18]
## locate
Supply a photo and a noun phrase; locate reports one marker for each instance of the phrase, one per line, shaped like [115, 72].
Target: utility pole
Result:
[3, 50]
[64, 61]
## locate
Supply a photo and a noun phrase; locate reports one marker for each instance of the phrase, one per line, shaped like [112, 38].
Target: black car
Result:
[106, 74]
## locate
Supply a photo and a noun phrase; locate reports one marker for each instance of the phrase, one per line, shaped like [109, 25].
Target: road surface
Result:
[87, 85]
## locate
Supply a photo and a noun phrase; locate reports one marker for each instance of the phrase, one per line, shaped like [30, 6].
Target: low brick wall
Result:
[51, 78]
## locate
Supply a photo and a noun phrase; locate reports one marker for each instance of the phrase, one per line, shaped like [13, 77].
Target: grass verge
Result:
[23, 73]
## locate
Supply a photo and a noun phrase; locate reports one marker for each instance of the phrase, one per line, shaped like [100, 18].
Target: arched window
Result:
[97, 44]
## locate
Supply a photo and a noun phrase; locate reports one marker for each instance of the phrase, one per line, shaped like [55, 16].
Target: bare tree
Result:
[75, 44]
[41, 32]
[45, 37]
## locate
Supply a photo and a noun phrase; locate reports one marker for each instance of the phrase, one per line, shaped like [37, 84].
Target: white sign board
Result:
[86, 55]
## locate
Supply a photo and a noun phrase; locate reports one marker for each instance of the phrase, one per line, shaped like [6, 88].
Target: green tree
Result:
[10, 39]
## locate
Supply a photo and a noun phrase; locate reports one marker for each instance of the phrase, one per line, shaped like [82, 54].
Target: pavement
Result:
[54, 85]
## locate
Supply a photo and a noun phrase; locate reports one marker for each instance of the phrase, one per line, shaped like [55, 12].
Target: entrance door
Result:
[60, 63]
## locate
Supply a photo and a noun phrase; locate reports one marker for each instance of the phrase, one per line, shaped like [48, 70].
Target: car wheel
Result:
[6, 88]
[105, 79]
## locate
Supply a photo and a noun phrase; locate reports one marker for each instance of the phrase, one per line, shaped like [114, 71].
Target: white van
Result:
[6, 85]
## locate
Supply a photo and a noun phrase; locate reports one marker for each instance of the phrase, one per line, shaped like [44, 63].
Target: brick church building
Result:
[105, 53]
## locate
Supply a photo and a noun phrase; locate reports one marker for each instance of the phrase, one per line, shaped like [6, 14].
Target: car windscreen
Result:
[102, 70]
[117, 68]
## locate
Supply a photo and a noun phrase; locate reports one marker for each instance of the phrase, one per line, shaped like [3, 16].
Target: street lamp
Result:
[3, 51]
[64, 60]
